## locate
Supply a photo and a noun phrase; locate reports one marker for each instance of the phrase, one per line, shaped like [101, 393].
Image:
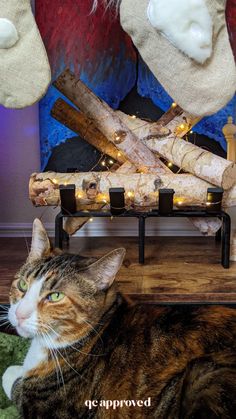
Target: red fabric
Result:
[72, 35]
[231, 22]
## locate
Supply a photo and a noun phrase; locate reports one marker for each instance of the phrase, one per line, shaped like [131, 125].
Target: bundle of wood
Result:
[136, 146]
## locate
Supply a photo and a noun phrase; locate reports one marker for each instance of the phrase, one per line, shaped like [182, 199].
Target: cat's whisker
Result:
[97, 333]
[3, 322]
[84, 353]
[3, 317]
[5, 308]
[58, 351]
[71, 346]
[53, 358]
[50, 328]
[48, 338]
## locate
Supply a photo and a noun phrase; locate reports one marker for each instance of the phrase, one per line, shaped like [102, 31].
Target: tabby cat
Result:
[93, 350]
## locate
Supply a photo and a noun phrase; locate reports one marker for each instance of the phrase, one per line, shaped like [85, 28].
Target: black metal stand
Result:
[223, 235]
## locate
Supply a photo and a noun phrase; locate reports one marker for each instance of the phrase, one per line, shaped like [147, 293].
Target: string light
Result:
[174, 105]
[55, 181]
[191, 132]
[103, 163]
[170, 164]
[119, 154]
[91, 219]
[79, 195]
[130, 194]
[208, 204]
[133, 116]
[111, 161]
[182, 126]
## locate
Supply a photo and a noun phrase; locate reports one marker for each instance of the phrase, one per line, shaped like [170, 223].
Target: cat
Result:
[95, 354]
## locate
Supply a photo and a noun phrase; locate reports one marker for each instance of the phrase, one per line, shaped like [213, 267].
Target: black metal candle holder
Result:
[117, 200]
[214, 199]
[68, 201]
[166, 201]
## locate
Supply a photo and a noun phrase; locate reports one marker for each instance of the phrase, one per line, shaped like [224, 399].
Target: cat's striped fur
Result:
[183, 358]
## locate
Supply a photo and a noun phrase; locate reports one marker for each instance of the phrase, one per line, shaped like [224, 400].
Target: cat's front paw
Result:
[10, 376]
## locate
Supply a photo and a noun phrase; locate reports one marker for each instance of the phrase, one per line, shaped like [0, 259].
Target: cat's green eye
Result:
[22, 285]
[55, 297]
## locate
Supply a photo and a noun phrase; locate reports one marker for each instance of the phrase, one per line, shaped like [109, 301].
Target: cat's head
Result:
[61, 295]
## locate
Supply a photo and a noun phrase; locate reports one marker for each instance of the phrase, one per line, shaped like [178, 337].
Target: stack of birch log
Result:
[137, 148]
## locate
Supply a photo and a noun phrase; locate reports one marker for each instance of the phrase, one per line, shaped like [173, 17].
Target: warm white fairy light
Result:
[133, 116]
[91, 219]
[55, 181]
[130, 194]
[191, 132]
[79, 195]
[103, 163]
[174, 105]
[170, 164]
[119, 154]
[111, 162]
[182, 126]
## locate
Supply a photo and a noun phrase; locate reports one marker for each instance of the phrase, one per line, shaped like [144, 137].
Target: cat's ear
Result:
[40, 244]
[103, 271]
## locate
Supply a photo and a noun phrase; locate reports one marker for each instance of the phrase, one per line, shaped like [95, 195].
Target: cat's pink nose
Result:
[21, 317]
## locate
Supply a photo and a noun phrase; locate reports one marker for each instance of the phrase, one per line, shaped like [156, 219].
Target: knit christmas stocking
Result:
[24, 68]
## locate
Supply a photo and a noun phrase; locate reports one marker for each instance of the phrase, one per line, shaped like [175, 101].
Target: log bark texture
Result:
[93, 187]
[174, 122]
[84, 126]
[108, 122]
[195, 160]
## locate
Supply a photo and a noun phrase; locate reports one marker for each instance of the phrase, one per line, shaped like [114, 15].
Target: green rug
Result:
[12, 352]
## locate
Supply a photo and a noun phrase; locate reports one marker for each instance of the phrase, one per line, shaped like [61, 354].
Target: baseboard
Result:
[108, 228]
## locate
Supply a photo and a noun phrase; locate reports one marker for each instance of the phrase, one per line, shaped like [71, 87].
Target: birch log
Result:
[82, 125]
[175, 121]
[195, 160]
[93, 187]
[108, 122]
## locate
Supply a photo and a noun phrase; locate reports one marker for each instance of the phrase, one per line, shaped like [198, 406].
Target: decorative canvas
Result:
[96, 48]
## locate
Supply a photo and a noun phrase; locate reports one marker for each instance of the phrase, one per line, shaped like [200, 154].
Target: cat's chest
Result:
[36, 354]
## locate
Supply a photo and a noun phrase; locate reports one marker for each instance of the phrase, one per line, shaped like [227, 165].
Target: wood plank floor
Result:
[177, 270]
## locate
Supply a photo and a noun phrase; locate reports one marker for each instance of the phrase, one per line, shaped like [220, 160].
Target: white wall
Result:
[20, 156]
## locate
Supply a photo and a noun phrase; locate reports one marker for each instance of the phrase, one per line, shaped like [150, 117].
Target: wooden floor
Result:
[177, 270]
